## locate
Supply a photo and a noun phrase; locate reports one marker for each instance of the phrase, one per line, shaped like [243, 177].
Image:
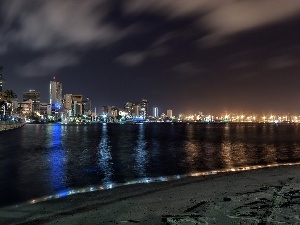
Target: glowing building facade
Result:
[144, 108]
[155, 112]
[55, 95]
[35, 97]
[87, 106]
[169, 113]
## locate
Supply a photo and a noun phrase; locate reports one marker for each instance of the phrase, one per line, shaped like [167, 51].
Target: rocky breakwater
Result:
[8, 125]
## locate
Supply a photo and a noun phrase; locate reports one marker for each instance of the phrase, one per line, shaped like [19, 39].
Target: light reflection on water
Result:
[57, 158]
[146, 180]
[226, 148]
[140, 152]
[105, 157]
[54, 160]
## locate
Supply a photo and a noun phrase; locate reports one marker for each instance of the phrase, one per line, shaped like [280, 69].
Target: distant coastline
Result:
[168, 122]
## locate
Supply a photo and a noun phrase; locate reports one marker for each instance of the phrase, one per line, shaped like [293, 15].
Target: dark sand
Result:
[263, 196]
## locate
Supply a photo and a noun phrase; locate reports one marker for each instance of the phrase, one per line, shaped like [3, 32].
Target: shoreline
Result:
[232, 197]
[144, 180]
[10, 126]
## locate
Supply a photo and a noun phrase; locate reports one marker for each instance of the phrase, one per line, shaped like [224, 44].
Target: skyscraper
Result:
[55, 95]
[128, 108]
[35, 97]
[169, 113]
[144, 108]
[87, 106]
[136, 108]
[68, 102]
[77, 101]
[155, 112]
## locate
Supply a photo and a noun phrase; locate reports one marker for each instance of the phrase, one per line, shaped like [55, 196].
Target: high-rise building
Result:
[155, 112]
[169, 113]
[136, 108]
[128, 108]
[73, 104]
[25, 108]
[45, 108]
[106, 110]
[87, 106]
[68, 102]
[55, 95]
[144, 108]
[77, 104]
[35, 97]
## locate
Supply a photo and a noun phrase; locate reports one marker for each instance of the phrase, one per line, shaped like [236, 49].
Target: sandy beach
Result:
[263, 196]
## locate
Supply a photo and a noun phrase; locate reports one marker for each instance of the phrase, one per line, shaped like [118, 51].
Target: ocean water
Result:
[42, 161]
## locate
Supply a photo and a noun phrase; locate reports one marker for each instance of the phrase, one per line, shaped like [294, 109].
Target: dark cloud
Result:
[59, 27]
[155, 49]
[222, 17]
[44, 65]
[187, 70]
[58, 24]
[237, 16]
[132, 58]
[208, 55]
[281, 62]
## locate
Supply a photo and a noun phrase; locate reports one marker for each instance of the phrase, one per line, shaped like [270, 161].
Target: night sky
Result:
[212, 56]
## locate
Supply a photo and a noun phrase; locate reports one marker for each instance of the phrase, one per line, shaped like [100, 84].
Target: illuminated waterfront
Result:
[55, 160]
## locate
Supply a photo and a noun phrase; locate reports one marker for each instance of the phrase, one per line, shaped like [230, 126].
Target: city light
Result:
[72, 108]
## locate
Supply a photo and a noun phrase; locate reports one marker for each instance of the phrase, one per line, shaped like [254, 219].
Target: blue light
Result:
[56, 159]
[138, 120]
[57, 106]
[63, 193]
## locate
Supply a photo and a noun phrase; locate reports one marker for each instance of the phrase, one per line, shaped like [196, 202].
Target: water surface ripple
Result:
[55, 160]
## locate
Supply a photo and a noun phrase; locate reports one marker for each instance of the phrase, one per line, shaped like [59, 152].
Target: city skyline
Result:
[155, 113]
[75, 106]
[189, 56]
[56, 92]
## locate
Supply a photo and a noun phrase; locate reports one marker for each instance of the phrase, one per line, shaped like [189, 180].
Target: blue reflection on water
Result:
[136, 153]
[56, 158]
[149, 180]
[104, 154]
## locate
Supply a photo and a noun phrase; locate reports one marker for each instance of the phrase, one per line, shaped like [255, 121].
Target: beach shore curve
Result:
[261, 196]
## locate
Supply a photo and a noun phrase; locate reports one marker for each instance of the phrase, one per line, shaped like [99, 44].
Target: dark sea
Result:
[44, 161]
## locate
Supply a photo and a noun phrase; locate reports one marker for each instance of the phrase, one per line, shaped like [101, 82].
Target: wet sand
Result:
[263, 196]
